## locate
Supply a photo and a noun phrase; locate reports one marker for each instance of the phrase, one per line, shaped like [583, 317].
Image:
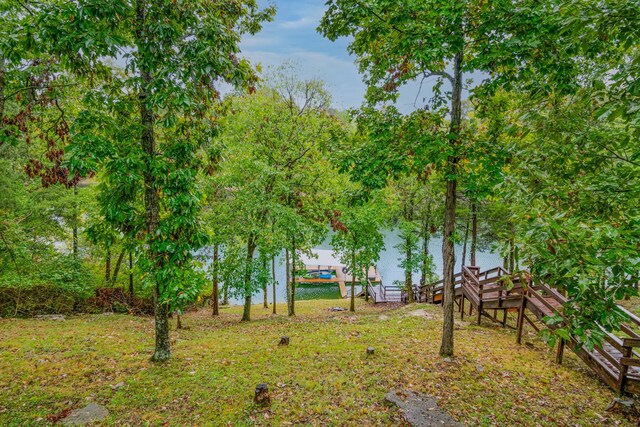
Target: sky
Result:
[292, 36]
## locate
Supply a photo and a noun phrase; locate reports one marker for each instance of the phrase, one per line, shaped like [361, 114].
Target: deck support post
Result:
[504, 317]
[480, 312]
[462, 308]
[560, 351]
[521, 319]
[627, 352]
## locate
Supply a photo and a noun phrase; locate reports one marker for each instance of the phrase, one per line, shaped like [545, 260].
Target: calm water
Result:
[387, 266]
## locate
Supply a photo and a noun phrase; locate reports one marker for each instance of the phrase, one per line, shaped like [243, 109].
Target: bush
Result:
[34, 300]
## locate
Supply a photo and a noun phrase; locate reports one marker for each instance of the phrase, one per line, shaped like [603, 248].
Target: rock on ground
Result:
[421, 313]
[420, 410]
[89, 414]
[58, 317]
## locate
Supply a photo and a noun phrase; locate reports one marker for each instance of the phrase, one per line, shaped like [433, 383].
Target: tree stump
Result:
[261, 397]
[371, 350]
[284, 341]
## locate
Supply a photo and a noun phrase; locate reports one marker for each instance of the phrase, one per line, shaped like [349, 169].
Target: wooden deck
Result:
[341, 278]
[496, 290]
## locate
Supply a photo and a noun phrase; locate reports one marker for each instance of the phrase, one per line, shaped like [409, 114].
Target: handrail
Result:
[635, 319]
[615, 355]
[371, 291]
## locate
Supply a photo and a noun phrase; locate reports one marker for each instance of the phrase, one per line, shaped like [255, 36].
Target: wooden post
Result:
[480, 288]
[261, 397]
[559, 351]
[504, 317]
[521, 319]
[462, 308]
[626, 352]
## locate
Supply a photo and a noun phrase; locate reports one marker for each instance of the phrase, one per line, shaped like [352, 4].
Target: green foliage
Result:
[171, 69]
[358, 238]
[571, 128]
[279, 182]
[233, 269]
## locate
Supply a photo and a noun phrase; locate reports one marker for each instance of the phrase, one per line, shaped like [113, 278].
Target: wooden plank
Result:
[630, 361]
[635, 319]
[531, 323]
[631, 342]
[604, 372]
[343, 289]
[627, 330]
[543, 301]
[607, 355]
[614, 341]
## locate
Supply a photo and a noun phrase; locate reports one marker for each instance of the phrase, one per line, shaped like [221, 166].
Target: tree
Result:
[412, 208]
[572, 132]
[399, 43]
[142, 125]
[516, 45]
[358, 238]
[277, 140]
[241, 273]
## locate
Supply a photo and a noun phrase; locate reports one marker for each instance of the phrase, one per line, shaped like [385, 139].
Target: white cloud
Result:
[305, 22]
[259, 41]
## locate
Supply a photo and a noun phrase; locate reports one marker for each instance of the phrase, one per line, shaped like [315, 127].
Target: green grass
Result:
[324, 291]
[324, 378]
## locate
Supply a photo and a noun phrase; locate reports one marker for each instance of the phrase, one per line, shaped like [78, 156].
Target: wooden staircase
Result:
[497, 290]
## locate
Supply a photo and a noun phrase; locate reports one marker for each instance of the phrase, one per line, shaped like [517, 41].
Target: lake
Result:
[387, 266]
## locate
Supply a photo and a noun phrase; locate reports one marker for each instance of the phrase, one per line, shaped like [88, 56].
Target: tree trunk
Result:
[248, 271]
[464, 245]
[292, 306]
[265, 303]
[107, 268]
[366, 283]
[151, 199]
[352, 307]
[448, 254]
[287, 261]
[117, 269]
[131, 276]
[512, 247]
[214, 283]
[75, 220]
[474, 232]
[273, 276]
[425, 253]
[178, 321]
[408, 273]
[3, 86]
[225, 296]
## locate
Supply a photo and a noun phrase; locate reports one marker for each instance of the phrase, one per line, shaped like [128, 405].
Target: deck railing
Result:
[616, 361]
[371, 291]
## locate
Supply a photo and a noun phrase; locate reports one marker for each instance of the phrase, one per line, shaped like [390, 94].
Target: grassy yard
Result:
[324, 378]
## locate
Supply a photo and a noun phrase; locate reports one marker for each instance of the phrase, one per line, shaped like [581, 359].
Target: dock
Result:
[324, 266]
